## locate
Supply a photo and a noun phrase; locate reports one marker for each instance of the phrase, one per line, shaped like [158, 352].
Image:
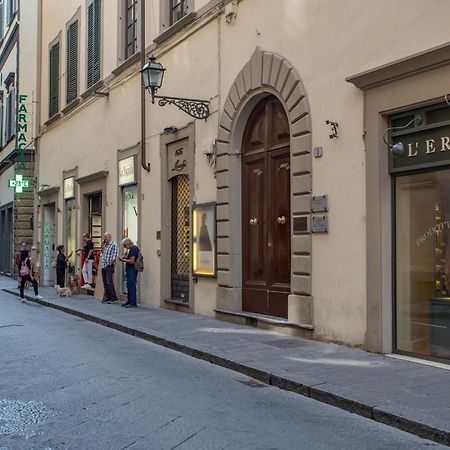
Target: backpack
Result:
[139, 263]
[24, 269]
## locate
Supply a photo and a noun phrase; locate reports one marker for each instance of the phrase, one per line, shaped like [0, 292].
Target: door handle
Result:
[253, 221]
[281, 220]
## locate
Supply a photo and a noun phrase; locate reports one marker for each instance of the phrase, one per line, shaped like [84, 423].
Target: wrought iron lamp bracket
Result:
[198, 109]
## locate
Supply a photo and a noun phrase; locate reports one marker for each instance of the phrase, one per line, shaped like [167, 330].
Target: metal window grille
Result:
[53, 98]
[72, 63]
[93, 43]
[130, 28]
[180, 263]
[178, 9]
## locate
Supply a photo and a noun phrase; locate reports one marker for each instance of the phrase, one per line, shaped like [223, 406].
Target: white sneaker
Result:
[22, 300]
[38, 296]
[87, 286]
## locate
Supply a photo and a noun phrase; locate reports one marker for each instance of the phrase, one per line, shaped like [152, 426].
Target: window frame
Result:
[166, 21]
[101, 14]
[75, 19]
[10, 109]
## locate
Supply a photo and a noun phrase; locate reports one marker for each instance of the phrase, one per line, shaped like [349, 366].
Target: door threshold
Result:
[177, 302]
[425, 362]
[278, 321]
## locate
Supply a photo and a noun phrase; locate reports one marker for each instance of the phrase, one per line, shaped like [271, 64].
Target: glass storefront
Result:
[421, 180]
[423, 263]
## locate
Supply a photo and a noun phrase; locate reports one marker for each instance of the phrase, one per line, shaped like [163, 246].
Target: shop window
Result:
[180, 261]
[423, 263]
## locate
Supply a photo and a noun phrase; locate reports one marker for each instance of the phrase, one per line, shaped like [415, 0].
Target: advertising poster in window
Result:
[204, 240]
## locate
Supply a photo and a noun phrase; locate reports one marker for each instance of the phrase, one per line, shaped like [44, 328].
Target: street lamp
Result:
[152, 78]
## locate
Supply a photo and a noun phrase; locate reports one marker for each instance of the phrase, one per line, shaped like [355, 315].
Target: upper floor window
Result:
[93, 42]
[1, 119]
[53, 96]
[11, 10]
[10, 113]
[2, 19]
[72, 62]
[130, 28]
[178, 9]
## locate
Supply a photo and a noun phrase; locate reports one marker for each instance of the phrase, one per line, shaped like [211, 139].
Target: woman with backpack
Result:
[26, 273]
[130, 260]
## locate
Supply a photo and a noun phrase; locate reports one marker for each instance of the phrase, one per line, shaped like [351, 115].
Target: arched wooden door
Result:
[266, 210]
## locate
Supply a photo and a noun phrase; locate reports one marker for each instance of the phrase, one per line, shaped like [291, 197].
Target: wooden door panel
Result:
[279, 219]
[254, 223]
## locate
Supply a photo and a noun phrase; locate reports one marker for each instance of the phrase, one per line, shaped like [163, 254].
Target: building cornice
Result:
[401, 68]
[92, 177]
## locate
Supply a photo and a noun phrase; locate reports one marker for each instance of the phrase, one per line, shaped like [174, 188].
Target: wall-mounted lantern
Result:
[152, 78]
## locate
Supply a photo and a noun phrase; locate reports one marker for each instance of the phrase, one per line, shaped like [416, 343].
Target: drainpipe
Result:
[145, 165]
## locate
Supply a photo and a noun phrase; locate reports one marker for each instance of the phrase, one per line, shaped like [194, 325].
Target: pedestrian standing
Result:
[88, 254]
[26, 273]
[61, 265]
[130, 260]
[109, 256]
[20, 255]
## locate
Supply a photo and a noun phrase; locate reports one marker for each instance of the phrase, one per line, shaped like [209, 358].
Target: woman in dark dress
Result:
[61, 265]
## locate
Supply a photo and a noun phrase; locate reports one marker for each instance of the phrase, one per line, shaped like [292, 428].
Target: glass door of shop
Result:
[129, 222]
[71, 237]
[96, 228]
[422, 230]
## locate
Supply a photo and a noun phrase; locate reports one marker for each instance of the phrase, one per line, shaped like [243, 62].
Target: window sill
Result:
[71, 105]
[53, 119]
[10, 139]
[133, 59]
[95, 87]
[175, 28]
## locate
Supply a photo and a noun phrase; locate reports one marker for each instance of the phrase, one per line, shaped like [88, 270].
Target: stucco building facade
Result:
[18, 126]
[302, 233]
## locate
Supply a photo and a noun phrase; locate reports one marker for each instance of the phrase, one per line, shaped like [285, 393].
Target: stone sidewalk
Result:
[410, 396]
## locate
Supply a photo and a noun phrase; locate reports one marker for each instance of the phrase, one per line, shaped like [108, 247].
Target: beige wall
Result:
[325, 41]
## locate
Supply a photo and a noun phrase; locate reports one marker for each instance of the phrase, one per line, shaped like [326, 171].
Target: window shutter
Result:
[2, 19]
[1, 124]
[53, 99]
[12, 131]
[7, 118]
[72, 63]
[94, 43]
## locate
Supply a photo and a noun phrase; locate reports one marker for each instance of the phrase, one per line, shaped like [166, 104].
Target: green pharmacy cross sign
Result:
[19, 183]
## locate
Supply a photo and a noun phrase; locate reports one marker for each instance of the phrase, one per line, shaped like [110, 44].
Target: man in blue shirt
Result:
[110, 254]
[130, 260]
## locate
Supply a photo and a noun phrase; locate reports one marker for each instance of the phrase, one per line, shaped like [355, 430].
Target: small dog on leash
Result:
[75, 284]
[63, 292]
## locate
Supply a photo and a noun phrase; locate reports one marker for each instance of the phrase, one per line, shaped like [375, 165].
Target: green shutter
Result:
[94, 43]
[53, 98]
[72, 63]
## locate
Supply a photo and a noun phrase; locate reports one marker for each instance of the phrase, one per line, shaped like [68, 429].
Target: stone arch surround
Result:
[265, 73]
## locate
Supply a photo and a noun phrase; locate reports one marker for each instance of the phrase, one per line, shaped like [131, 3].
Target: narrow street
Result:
[70, 384]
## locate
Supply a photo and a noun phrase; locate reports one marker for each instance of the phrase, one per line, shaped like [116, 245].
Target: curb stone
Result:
[312, 391]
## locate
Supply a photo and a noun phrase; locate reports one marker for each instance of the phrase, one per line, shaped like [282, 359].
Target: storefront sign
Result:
[426, 148]
[69, 188]
[177, 160]
[204, 240]
[127, 171]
